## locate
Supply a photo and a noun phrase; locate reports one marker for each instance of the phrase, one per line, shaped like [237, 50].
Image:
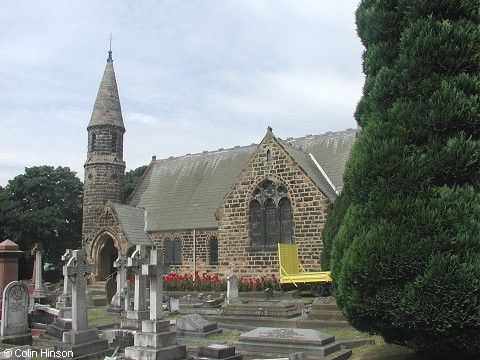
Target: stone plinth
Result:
[83, 343]
[9, 254]
[217, 351]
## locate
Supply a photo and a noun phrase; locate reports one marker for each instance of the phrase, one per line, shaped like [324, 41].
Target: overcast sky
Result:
[193, 75]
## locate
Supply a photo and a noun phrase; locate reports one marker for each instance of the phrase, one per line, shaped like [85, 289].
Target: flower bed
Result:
[205, 282]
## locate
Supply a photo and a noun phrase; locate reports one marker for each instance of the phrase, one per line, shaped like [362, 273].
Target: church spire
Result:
[107, 109]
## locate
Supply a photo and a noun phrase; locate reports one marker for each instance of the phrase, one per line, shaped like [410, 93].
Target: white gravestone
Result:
[154, 270]
[65, 299]
[121, 265]
[232, 289]
[14, 328]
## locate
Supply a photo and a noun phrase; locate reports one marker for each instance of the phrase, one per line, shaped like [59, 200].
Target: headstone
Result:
[14, 328]
[196, 326]
[9, 254]
[81, 340]
[156, 341]
[110, 289]
[232, 289]
[118, 300]
[267, 340]
[65, 299]
[268, 293]
[63, 322]
[38, 294]
[134, 318]
[173, 305]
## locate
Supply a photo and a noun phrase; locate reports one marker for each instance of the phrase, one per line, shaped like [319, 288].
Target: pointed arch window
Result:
[270, 215]
[213, 250]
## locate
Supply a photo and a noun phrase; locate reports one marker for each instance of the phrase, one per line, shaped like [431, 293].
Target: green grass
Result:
[98, 316]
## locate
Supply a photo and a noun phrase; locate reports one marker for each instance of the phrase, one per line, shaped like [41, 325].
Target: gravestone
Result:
[14, 328]
[196, 326]
[156, 341]
[232, 289]
[267, 340]
[110, 289]
[133, 318]
[38, 294]
[217, 351]
[81, 340]
[65, 299]
[173, 305]
[118, 300]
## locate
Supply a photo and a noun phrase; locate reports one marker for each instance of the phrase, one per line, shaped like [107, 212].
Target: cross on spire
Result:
[110, 51]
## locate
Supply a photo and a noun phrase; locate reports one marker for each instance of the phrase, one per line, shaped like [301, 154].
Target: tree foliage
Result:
[131, 180]
[43, 205]
[406, 239]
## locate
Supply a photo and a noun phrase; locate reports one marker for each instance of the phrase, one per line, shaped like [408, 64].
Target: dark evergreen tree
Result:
[406, 257]
[132, 178]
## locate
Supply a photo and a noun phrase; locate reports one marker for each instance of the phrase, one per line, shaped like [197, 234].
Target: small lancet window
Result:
[94, 142]
[114, 143]
[269, 156]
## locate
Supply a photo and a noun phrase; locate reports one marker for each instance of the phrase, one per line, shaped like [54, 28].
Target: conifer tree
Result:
[406, 255]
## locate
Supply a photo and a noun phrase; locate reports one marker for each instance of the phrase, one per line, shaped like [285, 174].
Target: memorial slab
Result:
[196, 326]
[287, 341]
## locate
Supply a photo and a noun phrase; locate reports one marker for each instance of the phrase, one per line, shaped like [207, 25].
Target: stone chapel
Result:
[219, 212]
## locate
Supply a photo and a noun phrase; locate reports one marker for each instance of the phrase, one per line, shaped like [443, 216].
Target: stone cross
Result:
[127, 291]
[135, 262]
[37, 250]
[67, 285]
[77, 270]
[154, 270]
[121, 265]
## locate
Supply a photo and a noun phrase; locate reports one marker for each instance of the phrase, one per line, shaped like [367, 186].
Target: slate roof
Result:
[132, 221]
[184, 192]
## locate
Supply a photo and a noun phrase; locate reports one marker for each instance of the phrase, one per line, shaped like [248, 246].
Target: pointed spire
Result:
[107, 109]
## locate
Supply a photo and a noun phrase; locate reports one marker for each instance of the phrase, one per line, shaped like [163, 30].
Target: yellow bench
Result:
[292, 272]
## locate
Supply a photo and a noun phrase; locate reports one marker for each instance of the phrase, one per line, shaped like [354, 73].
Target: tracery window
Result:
[172, 251]
[270, 215]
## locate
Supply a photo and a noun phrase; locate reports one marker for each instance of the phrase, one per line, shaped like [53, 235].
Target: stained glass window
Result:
[270, 222]
[256, 222]
[285, 221]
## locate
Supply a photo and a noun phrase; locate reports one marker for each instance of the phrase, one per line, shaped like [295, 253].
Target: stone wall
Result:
[235, 251]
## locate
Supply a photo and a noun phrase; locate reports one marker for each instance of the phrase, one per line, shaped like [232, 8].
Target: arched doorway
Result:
[107, 254]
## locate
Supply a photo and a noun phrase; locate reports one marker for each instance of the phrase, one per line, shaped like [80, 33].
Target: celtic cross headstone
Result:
[77, 270]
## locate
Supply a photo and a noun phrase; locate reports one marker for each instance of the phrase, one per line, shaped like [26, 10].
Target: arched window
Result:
[285, 221]
[177, 251]
[256, 222]
[270, 215]
[213, 250]
[270, 222]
